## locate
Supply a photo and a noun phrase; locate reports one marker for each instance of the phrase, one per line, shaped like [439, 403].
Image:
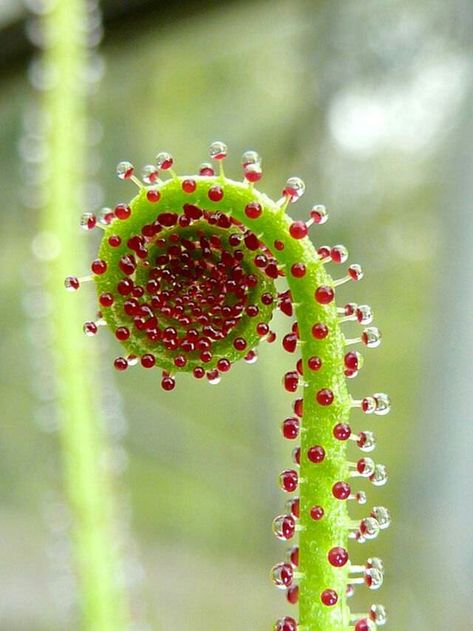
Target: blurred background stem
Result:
[85, 457]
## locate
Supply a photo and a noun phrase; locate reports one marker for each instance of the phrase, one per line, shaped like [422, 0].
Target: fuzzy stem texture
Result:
[102, 601]
[316, 480]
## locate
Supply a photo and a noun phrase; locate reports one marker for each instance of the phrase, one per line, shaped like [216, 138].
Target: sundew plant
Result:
[188, 275]
[185, 278]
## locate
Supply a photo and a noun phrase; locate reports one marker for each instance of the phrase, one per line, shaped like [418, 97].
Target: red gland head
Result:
[329, 597]
[282, 575]
[341, 490]
[285, 624]
[289, 480]
[194, 270]
[338, 556]
[284, 527]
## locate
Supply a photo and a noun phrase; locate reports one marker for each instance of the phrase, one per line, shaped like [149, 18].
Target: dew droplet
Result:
[206, 169]
[365, 467]
[125, 170]
[282, 575]
[90, 328]
[379, 476]
[364, 624]
[376, 563]
[251, 357]
[368, 405]
[250, 157]
[289, 480]
[88, 221]
[319, 214]
[213, 377]
[294, 188]
[164, 160]
[378, 614]
[364, 314]
[382, 516]
[355, 272]
[383, 403]
[71, 283]
[218, 150]
[284, 527]
[339, 254]
[369, 528]
[373, 578]
[366, 441]
[288, 623]
[150, 174]
[253, 172]
[105, 216]
[371, 337]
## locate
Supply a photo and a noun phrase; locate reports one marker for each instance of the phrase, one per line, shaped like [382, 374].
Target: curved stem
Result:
[83, 437]
[317, 480]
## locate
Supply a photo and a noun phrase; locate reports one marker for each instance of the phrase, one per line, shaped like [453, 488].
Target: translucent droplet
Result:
[294, 188]
[90, 329]
[383, 403]
[365, 624]
[132, 360]
[251, 357]
[288, 623]
[164, 160]
[361, 497]
[214, 377]
[369, 528]
[374, 578]
[250, 157]
[319, 214]
[88, 221]
[150, 174]
[368, 405]
[378, 614]
[376, 563]
[371, 337]
[253, 172]
[366, 441]
[364, 314]
[206, 169]
[218, 150]
[382, 516]
[71, 283]
[339, 254]
[284, 527]
[379, 476]
[105, 216]
[282, 575]
[355, 272]
[125, 170]
[366, 467]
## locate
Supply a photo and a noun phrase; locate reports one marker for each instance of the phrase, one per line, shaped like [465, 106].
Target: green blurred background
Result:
[370, 103]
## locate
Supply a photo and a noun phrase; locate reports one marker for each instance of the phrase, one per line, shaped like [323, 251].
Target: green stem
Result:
[87, 485]
[317, 480]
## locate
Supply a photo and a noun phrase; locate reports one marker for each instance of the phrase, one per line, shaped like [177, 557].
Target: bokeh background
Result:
[370, 103]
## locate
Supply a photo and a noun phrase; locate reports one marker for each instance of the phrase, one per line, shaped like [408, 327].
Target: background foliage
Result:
[370, 103]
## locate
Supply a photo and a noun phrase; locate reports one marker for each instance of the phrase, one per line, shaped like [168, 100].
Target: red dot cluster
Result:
[187, 282]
